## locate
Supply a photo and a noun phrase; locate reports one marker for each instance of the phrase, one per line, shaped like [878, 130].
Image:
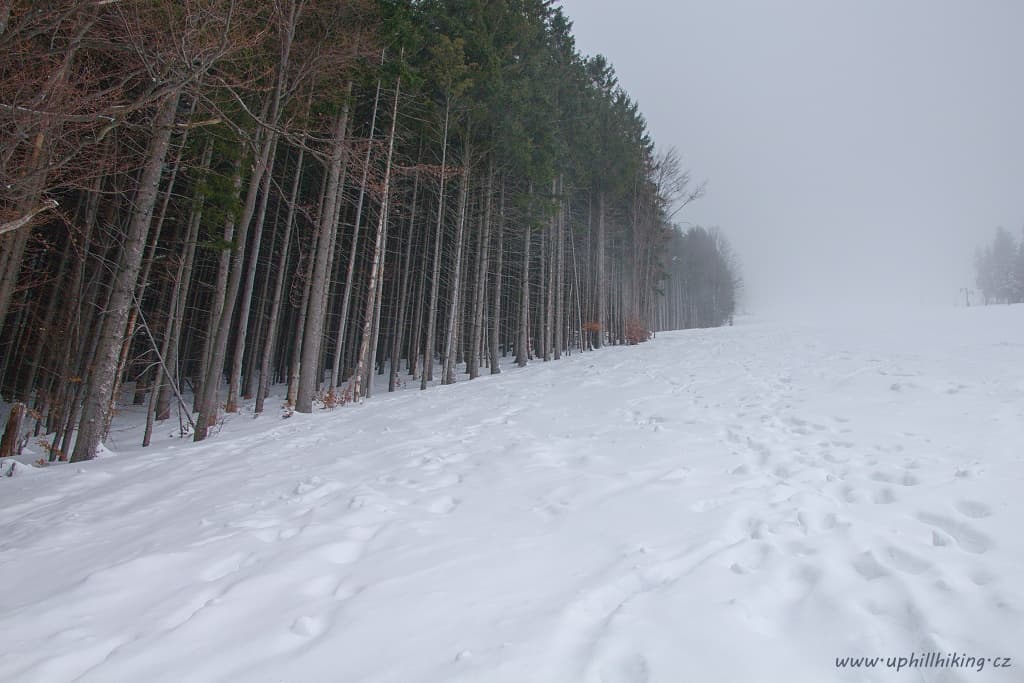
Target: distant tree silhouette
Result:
[999, 269]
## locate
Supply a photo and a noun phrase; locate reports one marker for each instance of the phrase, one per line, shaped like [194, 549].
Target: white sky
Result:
[856, 151]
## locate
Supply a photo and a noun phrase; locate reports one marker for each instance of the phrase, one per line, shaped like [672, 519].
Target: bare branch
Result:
[11, 226]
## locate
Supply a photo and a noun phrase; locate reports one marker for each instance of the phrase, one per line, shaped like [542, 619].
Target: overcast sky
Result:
[854, 150]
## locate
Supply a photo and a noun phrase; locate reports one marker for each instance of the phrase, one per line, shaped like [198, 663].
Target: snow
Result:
[739, 504]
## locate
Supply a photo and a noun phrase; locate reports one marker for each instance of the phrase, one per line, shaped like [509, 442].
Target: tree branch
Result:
[10, 226]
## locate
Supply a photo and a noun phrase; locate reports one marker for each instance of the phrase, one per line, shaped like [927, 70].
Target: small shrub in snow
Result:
[55, 453]
[334, 398]
[636, 332]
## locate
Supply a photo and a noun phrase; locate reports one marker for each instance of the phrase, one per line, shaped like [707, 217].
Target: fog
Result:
[856, 152]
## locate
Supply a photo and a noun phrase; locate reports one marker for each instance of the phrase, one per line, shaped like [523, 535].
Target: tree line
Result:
[205, 198]
[999, 269]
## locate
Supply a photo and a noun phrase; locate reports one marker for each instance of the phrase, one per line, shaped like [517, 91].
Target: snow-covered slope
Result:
[742, 504]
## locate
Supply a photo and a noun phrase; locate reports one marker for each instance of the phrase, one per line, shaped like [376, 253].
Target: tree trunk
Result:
[368, 345]
[602, 282]
[182, 285]
[495, 340]
[250, 280]
[96, 414]
[346, 297]
[282, 270]
[214, 372]
[560, 316]
[430, 343]
[451, 329]
[480, 292]
[220, 289]
[550, 259]
[12, 432]
[523, 345]
[309, 368]
[403, 299]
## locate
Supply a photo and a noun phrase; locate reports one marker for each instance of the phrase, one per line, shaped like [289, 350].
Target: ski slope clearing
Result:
[739, 504]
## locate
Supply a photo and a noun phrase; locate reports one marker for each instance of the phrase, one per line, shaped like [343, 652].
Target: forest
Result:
[207, 199]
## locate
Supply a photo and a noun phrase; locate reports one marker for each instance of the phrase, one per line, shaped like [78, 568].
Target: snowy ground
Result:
[742, 504]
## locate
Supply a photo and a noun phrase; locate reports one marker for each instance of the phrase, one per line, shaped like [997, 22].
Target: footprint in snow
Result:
[310, 626]
[884, 496]
[981, 577]
[808, 575]
[708, 504]
[443, 505]
[314, 489]
[966, 537]
[973, 509]
[632, 668]
[868, 567]
[834, 459]
[849, 494]
[319, 587]
[908, 479]
[223, 567]
[346, 590]
[345, 552]
[906, 562]
[801, 549]
[675, 475]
